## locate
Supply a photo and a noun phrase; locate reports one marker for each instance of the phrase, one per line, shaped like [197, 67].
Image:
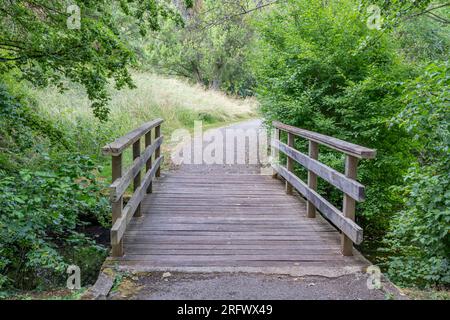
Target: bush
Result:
[317, 70]
[47, 194]
[419, 237]
[40, 216]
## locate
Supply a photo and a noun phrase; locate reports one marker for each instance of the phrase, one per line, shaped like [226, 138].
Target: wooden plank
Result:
[230, 252]
[228, 233]
[148, 164]
[137, 177]
[315, 252]
[225, 228]
[158, 149]
[235, 242]
[223, 196]
[159, 219]
[313, 152]
[240, 246]
[346, 225]
[119, 186]
[238, 264]
[226, 219]
[347, 185]
[206, 238]
[333, 143]
[290, 162]
[117, 206]
[229, 193]
[115, 148]
[235, 257]
[236, 204]
[149, 263]
[275, 154]
[120, 225]
[349, 204]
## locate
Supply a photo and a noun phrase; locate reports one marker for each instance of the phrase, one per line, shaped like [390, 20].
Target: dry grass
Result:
[176, 101]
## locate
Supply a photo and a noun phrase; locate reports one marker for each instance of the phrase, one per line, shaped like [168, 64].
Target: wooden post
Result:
[312, 178]
[290, 162]
[117, 250]
[275, 152]
[349, 205]
[158, 150]
[148, 165]
[137, 179]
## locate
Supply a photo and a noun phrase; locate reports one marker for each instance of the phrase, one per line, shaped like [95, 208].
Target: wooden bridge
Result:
[220, 220]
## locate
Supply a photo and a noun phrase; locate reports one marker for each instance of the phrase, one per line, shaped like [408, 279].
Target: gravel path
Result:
[244, 286]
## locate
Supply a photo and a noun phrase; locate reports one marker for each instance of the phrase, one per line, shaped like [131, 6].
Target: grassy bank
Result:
[175, 100]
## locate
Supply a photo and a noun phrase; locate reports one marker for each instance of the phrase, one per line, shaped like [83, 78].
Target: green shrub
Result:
[316, 71]
[40, 216]
[419, 237]
[47, 195]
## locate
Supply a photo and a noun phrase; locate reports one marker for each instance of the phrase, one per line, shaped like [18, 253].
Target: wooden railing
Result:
[121, 215]
[353, 191]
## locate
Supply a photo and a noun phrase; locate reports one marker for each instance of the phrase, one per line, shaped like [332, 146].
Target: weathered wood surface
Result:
[228, 220]
[347, 185]
[118, 187]
[349, 205]
[313, 152]
[333, 143]
[345, 224]
[120, 224]
[118, 146]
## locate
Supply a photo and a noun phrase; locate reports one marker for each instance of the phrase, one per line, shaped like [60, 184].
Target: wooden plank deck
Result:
[232, 222]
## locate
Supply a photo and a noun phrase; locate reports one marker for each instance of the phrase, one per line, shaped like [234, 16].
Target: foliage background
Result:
[313, 64]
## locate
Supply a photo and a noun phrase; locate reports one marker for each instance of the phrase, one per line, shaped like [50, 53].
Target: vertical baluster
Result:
[349, 205]
[312, 178]
[290, 161]
[148, 165]
[137, 179]
[158, 150]
[117, 249]
[275, 152]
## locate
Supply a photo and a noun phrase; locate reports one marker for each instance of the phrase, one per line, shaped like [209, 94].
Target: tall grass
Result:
[176, 101]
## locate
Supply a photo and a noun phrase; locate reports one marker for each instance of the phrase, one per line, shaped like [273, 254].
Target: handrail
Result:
[115, 148]
[352, 189]
[121, 215]
[334, 143]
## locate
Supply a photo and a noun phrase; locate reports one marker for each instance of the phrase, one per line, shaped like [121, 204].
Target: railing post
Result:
[158, 150]
[137, 179]
[117, 249]
[349, 204]
[290, 162]
[312, 178]
[148, 165]
[275, 152]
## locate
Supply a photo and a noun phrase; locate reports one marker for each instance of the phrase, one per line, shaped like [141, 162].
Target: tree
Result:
[314, 72]
[49, 41]
[213, 47]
